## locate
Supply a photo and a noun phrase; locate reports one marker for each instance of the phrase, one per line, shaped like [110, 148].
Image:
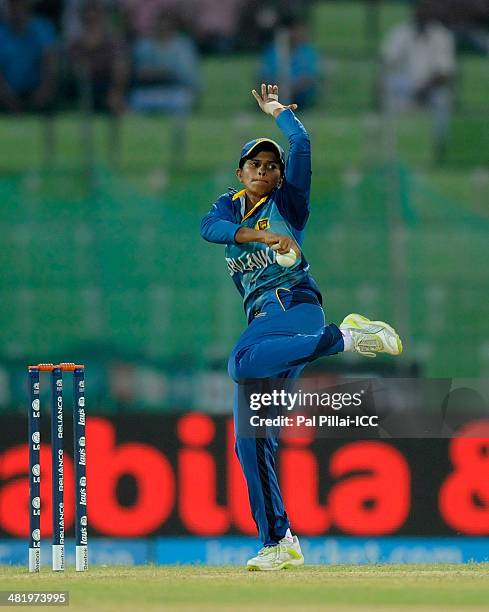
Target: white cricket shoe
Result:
[284, 555]
[371, 337]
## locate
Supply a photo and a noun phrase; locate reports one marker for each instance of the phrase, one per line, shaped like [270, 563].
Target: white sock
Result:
[347, 340]
[288, 535]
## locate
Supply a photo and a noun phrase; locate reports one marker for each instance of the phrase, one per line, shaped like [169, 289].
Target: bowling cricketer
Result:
[262, 226]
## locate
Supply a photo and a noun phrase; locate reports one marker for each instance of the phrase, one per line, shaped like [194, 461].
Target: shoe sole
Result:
[285, 565]
[355, 317]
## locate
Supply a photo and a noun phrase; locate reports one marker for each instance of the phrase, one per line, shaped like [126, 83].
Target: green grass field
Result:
[341, 587]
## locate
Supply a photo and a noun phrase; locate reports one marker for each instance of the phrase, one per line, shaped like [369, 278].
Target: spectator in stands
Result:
[468, 20]
[166, 69]
[260, 18]
[100, 58]
[141, 15]
[419, 64]
[215, 24]
[27, 60]
[72, 13]
[302, 69]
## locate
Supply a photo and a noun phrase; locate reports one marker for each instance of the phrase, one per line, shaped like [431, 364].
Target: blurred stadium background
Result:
[102, 262]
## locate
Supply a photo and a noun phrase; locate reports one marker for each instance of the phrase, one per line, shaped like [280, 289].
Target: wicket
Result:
[79, 455]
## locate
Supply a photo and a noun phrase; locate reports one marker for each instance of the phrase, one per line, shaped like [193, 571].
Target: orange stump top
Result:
[70, 367]
[49, 367]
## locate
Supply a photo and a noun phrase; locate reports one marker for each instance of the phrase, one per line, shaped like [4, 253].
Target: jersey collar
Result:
[242, 193]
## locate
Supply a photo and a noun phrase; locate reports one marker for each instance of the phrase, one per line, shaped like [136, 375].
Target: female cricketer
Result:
[262, 227]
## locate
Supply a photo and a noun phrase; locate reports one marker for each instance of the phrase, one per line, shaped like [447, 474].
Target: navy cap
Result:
[249, 147]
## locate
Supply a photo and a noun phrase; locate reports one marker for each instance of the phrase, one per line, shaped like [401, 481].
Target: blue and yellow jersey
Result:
[285, 210]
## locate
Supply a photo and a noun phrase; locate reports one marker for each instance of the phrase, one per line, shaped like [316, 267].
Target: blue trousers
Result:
[287, 333]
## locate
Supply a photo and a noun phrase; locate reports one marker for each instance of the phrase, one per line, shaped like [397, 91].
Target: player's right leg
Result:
[284, 555]
[277, 344]
[256, 454]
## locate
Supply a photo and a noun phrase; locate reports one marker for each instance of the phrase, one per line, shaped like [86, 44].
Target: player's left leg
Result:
[282, 340]
[368, 337]
[273, 344]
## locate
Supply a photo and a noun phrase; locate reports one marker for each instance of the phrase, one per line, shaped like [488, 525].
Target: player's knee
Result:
[232, 370]
[240, 367]
[235, 370]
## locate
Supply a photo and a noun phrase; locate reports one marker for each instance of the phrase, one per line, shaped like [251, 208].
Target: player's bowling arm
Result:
[285, 244]
[248, 234]
[278, 242]
[217, 225]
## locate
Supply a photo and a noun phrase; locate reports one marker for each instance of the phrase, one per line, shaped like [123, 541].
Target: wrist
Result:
[273, 108]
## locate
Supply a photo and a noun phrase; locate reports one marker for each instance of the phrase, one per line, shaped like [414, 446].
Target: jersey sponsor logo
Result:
[263, 224]
[247, 262]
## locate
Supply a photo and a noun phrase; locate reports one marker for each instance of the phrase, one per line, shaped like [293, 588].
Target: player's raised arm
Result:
[293, 196]
[268, 100]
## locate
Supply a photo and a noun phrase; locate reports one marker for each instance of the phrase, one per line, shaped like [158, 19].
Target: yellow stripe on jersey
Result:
[258, 204]
[278, 297]
[238, 194]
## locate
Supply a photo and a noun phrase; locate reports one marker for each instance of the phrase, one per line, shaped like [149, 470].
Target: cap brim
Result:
[261, 141]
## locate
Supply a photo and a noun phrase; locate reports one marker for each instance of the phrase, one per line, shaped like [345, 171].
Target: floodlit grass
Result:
[345, 588]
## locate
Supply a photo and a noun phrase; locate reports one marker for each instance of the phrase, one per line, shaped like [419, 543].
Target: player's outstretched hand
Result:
[268, 100]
